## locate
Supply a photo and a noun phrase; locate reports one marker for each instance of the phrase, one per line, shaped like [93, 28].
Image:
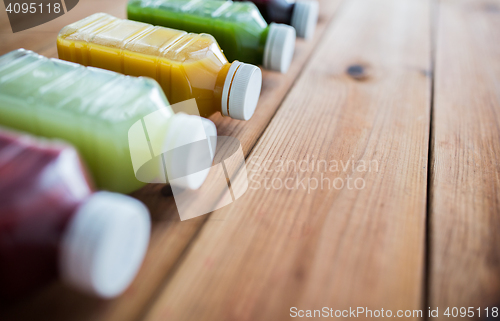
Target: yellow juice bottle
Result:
[186, 65]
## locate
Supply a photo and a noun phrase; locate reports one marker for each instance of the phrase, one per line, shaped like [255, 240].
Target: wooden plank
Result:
[465, 184]
[365, 96]
[169, 236]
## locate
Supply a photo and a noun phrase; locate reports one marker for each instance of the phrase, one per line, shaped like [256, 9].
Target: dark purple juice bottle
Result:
[53, 224]
[301, 14]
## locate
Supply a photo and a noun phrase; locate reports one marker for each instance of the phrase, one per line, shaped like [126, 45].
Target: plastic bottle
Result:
[53, 225]
[239, 28]
[301, 14]
[185, 65]
[94, 110]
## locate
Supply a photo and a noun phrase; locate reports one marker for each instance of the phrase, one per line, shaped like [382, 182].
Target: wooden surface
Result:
[170, 236]
[363, 91]
[465, 184]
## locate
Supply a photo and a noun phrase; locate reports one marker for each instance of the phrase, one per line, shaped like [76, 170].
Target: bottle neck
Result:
[258, 53]
[219, 87]
[263, 37]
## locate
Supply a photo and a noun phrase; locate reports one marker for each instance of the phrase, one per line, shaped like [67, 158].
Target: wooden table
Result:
[410, 87]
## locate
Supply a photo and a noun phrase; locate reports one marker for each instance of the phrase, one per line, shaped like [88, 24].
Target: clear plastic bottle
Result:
[185, 65]
[94, 110]
[52, 223]
[239, 28]
[300, 14]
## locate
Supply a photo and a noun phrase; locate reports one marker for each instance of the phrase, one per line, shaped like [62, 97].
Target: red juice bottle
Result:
[300, 14]
[52, 223]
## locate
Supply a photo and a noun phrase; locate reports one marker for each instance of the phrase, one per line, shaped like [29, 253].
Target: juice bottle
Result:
[300, 14]
[52, 223]
[100, 113]
[239, 28]
[185, 65]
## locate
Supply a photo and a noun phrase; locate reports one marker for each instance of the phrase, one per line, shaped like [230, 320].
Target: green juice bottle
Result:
[238, 27]
[107, 116]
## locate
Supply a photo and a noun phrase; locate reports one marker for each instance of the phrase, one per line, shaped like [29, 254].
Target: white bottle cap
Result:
[241, 91]
[280, 46]
[305, 18]
[190, 149]
[104, 244]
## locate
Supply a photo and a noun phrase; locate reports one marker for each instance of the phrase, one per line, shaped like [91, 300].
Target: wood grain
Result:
[170, 236]
[364, 97]
[465, 184]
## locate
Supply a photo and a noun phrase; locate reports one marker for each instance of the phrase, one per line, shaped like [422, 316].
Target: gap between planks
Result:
[426, 282]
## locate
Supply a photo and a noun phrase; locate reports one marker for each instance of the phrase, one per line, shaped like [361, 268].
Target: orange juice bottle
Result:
[186, 65]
